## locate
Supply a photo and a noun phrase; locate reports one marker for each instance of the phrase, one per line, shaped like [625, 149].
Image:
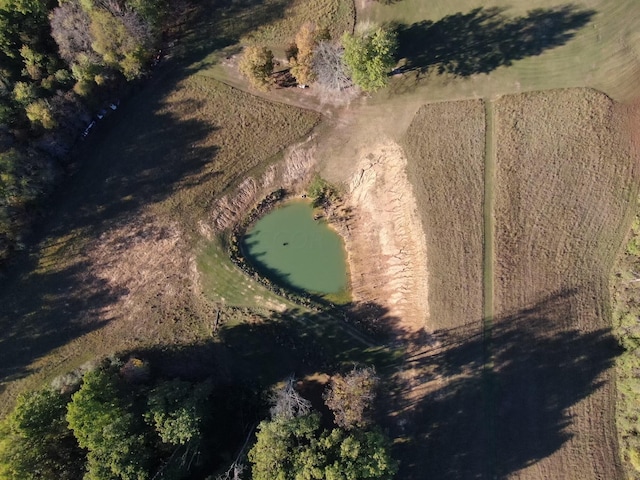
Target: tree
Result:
[102, 423]
[287, 402]
[302, 61]
[176, 410]
[329, 67]
[297, 448]
[39, 113]
[70, 29]
[257, 65]
[369, 57]
[350, 396]
[35, 441]
[279, 445]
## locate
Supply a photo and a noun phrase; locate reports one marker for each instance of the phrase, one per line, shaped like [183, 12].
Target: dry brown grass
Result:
[117, 267]
[445, 151]
[529, 392]
[565, 188]
[338, 16]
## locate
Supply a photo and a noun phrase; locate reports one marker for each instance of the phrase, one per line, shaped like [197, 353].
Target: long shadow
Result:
[248, 358]
[490, 415]
[484, 39]
[136, 156]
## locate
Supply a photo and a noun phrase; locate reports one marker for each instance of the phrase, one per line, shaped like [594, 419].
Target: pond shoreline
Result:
[240, 257]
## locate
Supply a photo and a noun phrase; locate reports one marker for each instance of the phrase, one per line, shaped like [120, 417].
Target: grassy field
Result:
[116, 268]
[566, 186]
[337, 16]
[535, 382]
[120, 262]
[445, 151]
[505, 46]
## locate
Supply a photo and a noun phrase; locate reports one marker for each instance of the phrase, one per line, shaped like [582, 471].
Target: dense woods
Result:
[122, 420]
[58, 63]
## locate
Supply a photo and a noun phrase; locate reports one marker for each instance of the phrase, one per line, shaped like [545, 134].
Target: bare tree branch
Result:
[287, 402]
[329, 67]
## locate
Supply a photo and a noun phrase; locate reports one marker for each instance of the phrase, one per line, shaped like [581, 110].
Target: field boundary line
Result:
[488, 286]
[489, 222]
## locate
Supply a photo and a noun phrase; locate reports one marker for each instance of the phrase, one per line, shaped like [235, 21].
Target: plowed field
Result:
[528, 390]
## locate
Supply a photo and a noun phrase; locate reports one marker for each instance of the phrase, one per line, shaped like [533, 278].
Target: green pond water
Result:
[291, 248]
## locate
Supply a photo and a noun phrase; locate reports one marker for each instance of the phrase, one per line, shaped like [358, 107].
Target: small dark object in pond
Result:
[285, 243]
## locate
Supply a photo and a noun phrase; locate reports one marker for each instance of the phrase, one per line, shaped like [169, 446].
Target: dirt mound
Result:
[293, 172]
[384, 238]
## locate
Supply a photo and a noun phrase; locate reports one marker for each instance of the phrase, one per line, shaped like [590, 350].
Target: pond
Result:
[290, 247]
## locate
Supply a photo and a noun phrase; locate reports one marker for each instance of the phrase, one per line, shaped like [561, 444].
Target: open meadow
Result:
[445, 148]
[565, 193]
[521, 184]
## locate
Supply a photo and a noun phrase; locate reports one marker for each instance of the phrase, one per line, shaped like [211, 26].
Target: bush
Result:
[369, 57]
[257, 65]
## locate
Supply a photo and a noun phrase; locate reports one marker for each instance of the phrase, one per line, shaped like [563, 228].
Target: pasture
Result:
[471, 48]
[445, 147]
[116, 264]
[524, 198]
[527, 354]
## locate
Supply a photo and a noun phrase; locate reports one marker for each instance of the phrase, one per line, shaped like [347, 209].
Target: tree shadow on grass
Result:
[498, 402]
[135, 157]
[50, 309]
[484, 39]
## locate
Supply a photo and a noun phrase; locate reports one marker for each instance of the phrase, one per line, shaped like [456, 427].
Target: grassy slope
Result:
[148, 177]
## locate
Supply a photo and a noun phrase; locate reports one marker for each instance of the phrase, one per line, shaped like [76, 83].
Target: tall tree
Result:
[369, 57]
[103, 423]
[297, 448]
[257, 65]
[351, 396]
[35, 442]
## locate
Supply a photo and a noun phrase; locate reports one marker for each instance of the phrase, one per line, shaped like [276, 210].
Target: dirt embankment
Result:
[292, 174]
[384, 238]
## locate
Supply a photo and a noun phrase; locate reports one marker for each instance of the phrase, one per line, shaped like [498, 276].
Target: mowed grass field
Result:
[524, 388]
[510, 46]
[445, 148]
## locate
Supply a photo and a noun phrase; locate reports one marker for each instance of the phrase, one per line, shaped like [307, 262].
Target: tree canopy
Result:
[369, 57]
[294, 446]
[297, 448]
[257, 65]
[54, 61]
[35, 442]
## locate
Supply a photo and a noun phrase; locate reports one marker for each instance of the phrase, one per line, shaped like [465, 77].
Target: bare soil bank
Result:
[385, 240]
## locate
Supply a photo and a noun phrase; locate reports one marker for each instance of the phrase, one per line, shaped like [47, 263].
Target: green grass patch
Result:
[223, 282]
[560, 53]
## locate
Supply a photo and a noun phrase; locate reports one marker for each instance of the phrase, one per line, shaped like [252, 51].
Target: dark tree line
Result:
[119, 422]
[56, 61]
